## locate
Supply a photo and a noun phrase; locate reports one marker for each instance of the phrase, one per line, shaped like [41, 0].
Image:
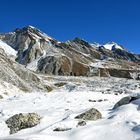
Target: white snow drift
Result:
[59, 107]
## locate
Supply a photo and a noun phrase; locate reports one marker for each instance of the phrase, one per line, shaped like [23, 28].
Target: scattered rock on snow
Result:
[91, 100]
[49, 88]
[100, 100]
[1, 97]
[126, 100]
[61, 129]
[92, 115]
[22, 121]
[81, 123]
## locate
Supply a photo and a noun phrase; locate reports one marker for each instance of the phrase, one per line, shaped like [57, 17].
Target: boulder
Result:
[126, 100]
[22, 121]
[91, 115]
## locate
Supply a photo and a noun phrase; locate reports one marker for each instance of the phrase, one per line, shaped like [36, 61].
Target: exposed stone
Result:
[114, 72]
[57, 65]
[125, 100]
[61, 129]
[79, 69]
[91, 115]
[60, 84]
[1, 97]
[81, 123]
[61, 65]
[100, 100]
[91, 100]
[120, 73]
[22, 121]
[49, 88]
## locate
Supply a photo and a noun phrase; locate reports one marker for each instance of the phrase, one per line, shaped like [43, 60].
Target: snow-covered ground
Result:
[59, 107]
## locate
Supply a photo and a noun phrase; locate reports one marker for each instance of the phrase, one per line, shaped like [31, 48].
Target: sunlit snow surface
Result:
[59, 107]
[110, 46]
[8, 49]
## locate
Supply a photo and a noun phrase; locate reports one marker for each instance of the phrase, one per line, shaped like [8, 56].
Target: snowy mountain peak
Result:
[113, 46]
[30, 26]
[33, 32]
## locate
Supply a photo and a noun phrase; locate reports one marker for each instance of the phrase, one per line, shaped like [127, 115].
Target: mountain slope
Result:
[14, 74]
[43, 54]
[8, 49]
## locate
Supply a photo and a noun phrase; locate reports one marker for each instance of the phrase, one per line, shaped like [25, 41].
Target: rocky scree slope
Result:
[17, 75]
[43, 54]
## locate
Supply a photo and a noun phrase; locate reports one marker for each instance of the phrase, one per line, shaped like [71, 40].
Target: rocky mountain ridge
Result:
[39, 52]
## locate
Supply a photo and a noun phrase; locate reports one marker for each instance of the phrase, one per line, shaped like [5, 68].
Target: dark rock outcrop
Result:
[114, 72]
[62, 65]
[56, 65]
[126, 100]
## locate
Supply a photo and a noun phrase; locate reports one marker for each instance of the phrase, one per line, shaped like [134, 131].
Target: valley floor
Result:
[59, 107]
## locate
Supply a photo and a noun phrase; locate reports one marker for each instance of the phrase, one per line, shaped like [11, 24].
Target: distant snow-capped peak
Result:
[111, 46]
[34, 32]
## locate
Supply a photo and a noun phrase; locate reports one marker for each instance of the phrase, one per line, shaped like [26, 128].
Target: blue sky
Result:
[99, 21]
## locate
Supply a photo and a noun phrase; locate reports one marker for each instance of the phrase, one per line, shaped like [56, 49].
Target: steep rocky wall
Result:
[120, 73]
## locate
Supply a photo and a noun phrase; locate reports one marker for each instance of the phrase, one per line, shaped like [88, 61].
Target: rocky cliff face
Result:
[43, 54]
